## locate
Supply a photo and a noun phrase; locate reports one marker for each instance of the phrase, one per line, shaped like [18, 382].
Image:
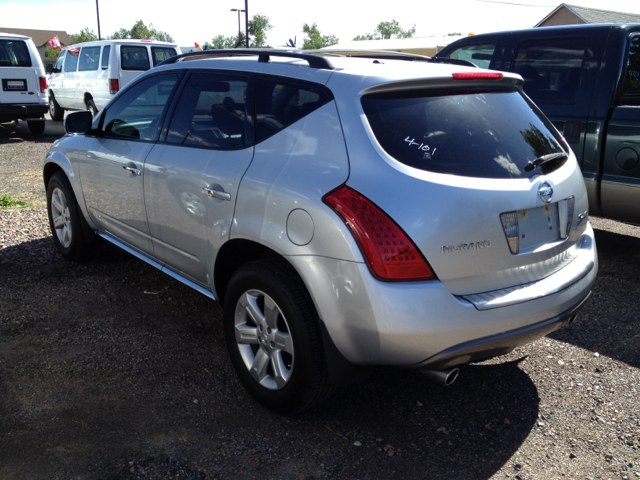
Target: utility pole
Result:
[246, 19]
[98, 13]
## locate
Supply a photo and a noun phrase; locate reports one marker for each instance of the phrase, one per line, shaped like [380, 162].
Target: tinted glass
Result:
[279, 103]
[551, 68]
[632, 75]
[71, 59]
[134, 58]
[14, 53]
[486, 135]
[479, 55]
[137, 113]
[105, 57]
[89, 59]
[160, 54]
[60, 61]
[210, 112]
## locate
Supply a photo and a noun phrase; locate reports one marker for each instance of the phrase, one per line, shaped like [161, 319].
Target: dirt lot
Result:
[112, 370]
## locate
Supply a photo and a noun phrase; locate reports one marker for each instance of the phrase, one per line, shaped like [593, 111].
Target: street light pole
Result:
[246, 19]
[238, 10]
[98, 13]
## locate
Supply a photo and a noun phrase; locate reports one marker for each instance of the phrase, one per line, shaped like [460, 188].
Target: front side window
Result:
[14, 53]
[60, 61]
[71, 59]
[134, 57]
[631, 87]
[105, 57]
[89, 59]
[551, 68]
[281, 102]
[479, 55]
[211, 112]
[160, 54]
[138, 112]
[485, 135]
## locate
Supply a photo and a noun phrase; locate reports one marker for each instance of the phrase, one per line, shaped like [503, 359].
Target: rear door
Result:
[17, 73]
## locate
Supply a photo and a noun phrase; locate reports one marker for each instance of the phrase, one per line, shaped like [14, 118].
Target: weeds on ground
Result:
[6, 201]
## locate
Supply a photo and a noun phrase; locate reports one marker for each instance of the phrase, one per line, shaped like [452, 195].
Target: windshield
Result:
[486, 135]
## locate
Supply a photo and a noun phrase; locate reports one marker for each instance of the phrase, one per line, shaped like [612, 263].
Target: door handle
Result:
[132, 170]
[213, 193]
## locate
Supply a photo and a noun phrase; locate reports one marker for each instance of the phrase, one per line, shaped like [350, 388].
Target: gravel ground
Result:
[112, 370]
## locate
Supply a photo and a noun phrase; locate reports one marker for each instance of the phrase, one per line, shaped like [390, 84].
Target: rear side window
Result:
[211, 112]
[105, 57]
[631, 88]
[281, 102]
[71, 59]
[480, 55]
[160, 54]
[551, 68]
[14, 53]
[485, 135]
[134, 57]
[89, 59]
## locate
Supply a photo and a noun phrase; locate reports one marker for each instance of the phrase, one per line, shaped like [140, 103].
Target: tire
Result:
[71, 233]
[36, 126]
[91, 106]
[278, 356]
[57, 113]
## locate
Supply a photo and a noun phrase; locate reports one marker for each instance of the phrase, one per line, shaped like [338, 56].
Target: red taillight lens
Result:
[43, 84]
[114, 85]
[389, 252]
[477, 76]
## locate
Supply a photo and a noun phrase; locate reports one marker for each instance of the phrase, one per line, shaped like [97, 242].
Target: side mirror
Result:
[78, 122]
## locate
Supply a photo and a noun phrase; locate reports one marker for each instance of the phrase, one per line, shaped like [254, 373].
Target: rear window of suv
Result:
[485, 135]
[14, 53]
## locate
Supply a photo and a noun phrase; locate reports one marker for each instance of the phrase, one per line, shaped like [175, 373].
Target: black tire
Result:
[57, 113]
[91, 106]
[36, 126]
[304, 382]
[71, 233]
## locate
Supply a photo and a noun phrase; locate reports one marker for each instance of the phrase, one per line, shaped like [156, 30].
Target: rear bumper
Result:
[22, 111]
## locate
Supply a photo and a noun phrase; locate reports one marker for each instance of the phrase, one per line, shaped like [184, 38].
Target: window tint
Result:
[60, 61]
[134, 58]
[137, 113]
[479, 55]
[486, 135]
[211, 112]
[89, 59]
[14, 53]
[105, 57]
[631, 86]
[71, 62]
[551, 68]
[279, 103]
[160, 54]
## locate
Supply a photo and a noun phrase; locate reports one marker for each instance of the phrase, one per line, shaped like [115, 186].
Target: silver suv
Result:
[346, 212]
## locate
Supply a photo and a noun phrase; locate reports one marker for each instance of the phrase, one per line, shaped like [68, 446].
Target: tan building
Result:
[40, 38]
[573, 15]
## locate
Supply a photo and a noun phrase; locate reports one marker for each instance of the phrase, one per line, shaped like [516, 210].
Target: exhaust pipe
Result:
[571, 319]
[443, 377]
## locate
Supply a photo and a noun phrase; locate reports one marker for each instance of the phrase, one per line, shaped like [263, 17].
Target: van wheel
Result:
[273, 337]
[36, 126]
[91, 106]
[57, 113]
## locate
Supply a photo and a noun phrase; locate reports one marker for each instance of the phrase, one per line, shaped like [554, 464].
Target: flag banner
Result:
[54, 43]
[198, 46]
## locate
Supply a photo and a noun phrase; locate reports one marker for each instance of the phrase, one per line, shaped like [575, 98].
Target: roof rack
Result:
[390, 55]
[315, 61]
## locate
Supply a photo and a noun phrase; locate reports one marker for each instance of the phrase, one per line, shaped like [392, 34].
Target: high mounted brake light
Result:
[477, 76]
[389, 252]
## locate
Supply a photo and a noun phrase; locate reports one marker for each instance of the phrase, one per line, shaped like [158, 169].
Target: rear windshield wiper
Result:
[538, 162]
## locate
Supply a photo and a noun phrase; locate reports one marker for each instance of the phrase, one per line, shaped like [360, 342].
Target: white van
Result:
[24, 83]
[88, 74]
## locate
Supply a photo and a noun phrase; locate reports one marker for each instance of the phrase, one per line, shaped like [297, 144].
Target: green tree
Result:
[85, 35]
[141, 31]
[315, 39]
[221, 42]
[386, 30]
[52, 53]
[258, 28]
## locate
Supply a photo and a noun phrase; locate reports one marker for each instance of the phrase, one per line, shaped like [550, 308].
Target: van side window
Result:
[60, 61]
[134, 58]
[211, 112]
[631, 87]
[71, 62]
[480, 55]
[105, 57]
[281, 102]
[160, 54]
[89, 59]
[551, 68]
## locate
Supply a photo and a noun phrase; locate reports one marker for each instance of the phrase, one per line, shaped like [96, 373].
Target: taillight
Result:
[114, 85]
[43, 84]
[477, 76]
[389, 252]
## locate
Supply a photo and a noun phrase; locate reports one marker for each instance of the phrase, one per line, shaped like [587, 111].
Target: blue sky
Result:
[200, 20]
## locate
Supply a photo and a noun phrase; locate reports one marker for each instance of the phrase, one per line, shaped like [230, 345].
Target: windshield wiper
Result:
[538, 162]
